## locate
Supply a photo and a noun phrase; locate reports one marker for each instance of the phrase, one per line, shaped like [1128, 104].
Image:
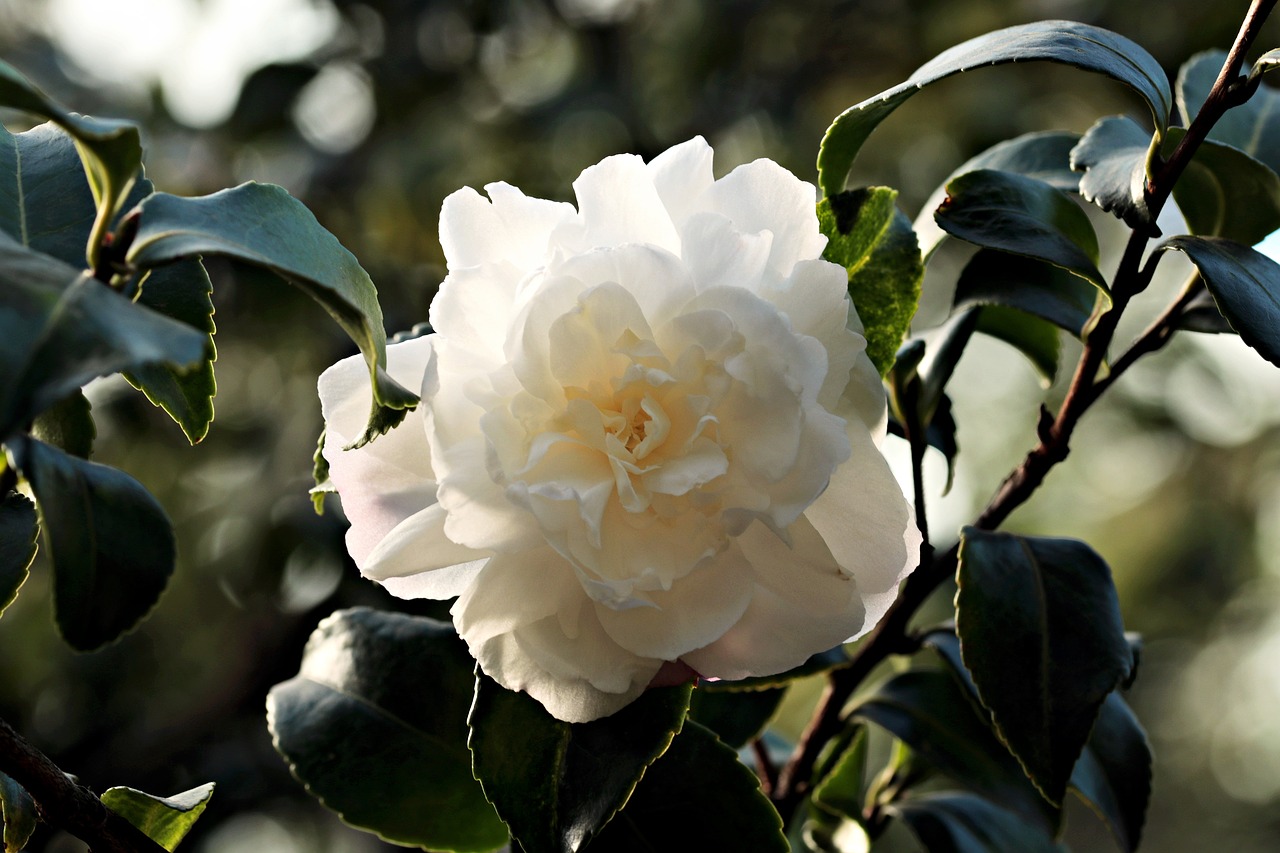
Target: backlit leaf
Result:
[19, 532]
[165, 820]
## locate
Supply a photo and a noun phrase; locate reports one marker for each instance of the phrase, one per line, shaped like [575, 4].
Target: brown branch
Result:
[891, 635]
[65, 805]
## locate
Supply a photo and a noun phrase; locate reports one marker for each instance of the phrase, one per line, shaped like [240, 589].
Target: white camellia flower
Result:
[649, 434]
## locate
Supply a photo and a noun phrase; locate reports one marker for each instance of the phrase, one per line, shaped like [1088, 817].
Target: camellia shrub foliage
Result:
[638, 444]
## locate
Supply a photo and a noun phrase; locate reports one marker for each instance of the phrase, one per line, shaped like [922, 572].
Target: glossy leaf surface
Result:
[557, 784]
[110, 543]
[68, 425]
[1253, 127]
[263, 225]
[698, 796]
[1245, 285]
[165, 820]
[45, 200]
[1080, 45]
[1040, 632]
[736, 716]
[19, 532]
[872, 239]
[382, 698]
[1227, 193]
[1031, 286]
[1114, 155]
[964, 823]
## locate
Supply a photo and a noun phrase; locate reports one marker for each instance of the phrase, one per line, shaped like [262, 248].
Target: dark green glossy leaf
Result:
[1021, 216]
[1115, 157]
[557, 784]
[1113, 775]
[1253, 127]
[817, 663]
[19, 531]
[1035, 338]
[45, 200]
[929, 711]
[841, 790]
[1202, 315]
[964, 823]
[18, 812]
[1066, 42]
[1034, 287]
[872, 239]
[736, 716]
[110, 543]
[59, 329]
[1044, 156]
[263, 225]
[1245, 285]
[182, 291]
[111, 151]
[698, 796]
[1226, 193]
[68, 425]
[1040, 631]
[165, 820]
[374, 725]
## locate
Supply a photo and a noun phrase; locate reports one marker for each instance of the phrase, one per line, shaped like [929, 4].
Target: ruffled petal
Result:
[512, 228]
[618, 204]
[416, 545]
[681, 174]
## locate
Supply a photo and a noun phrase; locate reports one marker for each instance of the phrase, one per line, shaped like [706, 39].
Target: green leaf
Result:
[930, 712]
[110, 543]
[68, 425]
[698, 796]
[872, 239]
[183, 292]
[18, 811]
[557, 784]
[375, 726]
[1066, 42]
[1115, 156]
[840, 791]
[1044, 156]
[1040, 631]
[1113, 775]
[1032, 286]
[1253, 127]
[263, 225]
[736, 716]
[1022, 216]
[1035, 338]
[111, 151]
[59, 329]
[1202, 315]
[165, 820]
[820, 662]
[320, 474]
[964, 823]
[19, 532]
[1269, 61]
[45, 201]
[1226, 193]
[1245, 285]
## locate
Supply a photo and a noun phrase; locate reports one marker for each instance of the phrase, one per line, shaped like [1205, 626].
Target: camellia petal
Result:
[648, 439]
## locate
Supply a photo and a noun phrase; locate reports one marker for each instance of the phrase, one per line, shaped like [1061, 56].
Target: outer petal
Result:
[618, 204]
[419, 545]
[868, 524]
[546, 640]
[681, 174]
[391, 478]
[513, 228]
[802, 602]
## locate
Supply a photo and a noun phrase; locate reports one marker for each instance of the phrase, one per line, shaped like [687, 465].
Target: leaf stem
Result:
[1132, 277]
[66, 805]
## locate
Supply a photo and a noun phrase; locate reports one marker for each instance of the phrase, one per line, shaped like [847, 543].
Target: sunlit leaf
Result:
[19, 532]
[964, 823]
[375, 726]
[263, 225]
[1040, 632]
[698, 796]
[18, 811]
[183, 292]
[872, 239]
[1022, 216]
[1066, 42]
[110, 543]
[45, 200]
[59, 329]
[1115, 157]
[557, 784]
[110, 150]
[1245, 285]
[165, 820]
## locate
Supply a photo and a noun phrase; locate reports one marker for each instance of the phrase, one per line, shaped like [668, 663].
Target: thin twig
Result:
[66, 805]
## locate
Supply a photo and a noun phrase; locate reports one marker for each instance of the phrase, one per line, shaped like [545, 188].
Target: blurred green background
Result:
[372, 112]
